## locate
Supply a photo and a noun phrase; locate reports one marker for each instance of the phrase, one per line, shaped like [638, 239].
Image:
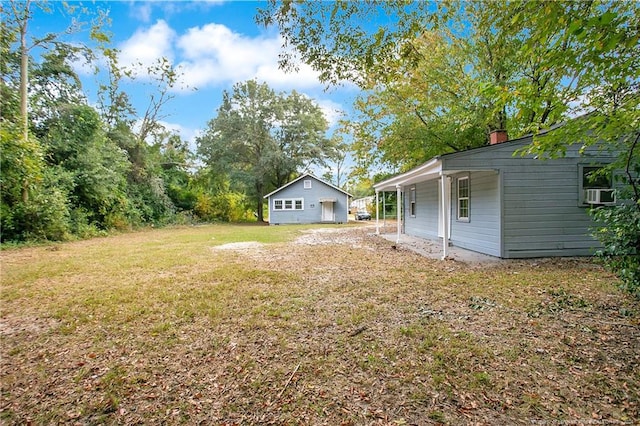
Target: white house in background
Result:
[308, 199]
[510, 206]
[362, 204]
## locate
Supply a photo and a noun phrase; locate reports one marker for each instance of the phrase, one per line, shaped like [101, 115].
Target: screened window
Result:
[463, 198]
[288, 204]
[412, 202]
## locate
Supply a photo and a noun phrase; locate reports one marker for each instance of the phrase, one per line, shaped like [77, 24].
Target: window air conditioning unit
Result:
[600, 196]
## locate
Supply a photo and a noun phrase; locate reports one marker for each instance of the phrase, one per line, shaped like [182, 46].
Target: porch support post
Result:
[384, 211]
[445, 215]
[377, 209]
[398, 211]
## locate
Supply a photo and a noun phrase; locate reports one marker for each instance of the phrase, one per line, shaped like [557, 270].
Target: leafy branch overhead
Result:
[439, 77]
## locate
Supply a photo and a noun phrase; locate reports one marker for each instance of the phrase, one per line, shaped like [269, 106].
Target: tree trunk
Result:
[24, 77]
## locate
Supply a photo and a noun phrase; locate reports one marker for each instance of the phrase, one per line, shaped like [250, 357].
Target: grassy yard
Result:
[279, 325]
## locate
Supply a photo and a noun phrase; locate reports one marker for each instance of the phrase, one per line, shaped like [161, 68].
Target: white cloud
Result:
[141, 11]
[303, 78]
[214, 54]
[332, 111]
[146, 46]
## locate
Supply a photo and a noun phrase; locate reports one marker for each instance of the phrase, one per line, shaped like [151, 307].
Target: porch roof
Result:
[432, 169]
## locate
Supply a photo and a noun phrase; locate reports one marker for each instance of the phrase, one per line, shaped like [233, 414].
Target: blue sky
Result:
[214, 44]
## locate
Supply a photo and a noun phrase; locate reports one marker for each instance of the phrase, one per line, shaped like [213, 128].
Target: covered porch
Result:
[429, 171]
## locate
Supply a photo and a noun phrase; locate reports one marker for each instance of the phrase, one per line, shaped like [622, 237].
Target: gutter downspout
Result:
[398, 212]
[445, 215]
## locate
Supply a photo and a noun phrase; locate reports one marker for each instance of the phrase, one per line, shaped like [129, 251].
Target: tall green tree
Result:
[33, 94]
[90, 166]
[300, 137]
[239, 142]
[17, 16]
[175, 161]
[140, 132]
[337, 172]
[261, 139]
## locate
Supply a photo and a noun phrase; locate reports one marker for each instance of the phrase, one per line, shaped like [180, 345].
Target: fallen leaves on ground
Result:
[335, 328]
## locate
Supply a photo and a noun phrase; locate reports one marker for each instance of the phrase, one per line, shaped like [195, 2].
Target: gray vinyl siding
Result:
[482, 232]
[425, 223]
[541, 210]
[312, 208]
[542, 216]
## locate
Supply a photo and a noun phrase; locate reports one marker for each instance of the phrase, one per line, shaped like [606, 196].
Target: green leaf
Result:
[607, 18]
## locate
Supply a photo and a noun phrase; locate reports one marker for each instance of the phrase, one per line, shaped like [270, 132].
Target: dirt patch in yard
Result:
[241, 246]
[336, 327]
[12, 325]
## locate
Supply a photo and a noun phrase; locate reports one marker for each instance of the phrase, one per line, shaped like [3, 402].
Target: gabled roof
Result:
[305, 175]
[433, 169]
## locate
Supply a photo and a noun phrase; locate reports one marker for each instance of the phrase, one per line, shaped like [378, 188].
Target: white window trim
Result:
[412, 201]
[307, 184]
[284, 204]
[458, 199]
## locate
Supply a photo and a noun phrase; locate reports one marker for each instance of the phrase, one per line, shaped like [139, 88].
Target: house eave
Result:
[429, 170]
[302, 177]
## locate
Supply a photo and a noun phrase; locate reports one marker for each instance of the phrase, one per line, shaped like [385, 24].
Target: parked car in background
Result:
[362, 215]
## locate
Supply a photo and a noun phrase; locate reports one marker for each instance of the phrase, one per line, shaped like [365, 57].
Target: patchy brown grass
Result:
[294, 325]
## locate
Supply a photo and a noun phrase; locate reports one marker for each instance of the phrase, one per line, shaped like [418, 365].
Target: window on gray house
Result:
[596, 186]
[288, 204]
[463, 198]
[412, 202]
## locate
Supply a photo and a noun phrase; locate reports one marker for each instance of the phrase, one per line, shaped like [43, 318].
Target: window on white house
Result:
[412, 202]
[307, 184]
[288, 204]
[463, 198]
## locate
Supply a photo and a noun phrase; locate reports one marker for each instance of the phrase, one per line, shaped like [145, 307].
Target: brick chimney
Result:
[498, 136]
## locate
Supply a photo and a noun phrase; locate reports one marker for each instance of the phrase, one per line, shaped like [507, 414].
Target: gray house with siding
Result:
[308, 199]
[494, 201]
